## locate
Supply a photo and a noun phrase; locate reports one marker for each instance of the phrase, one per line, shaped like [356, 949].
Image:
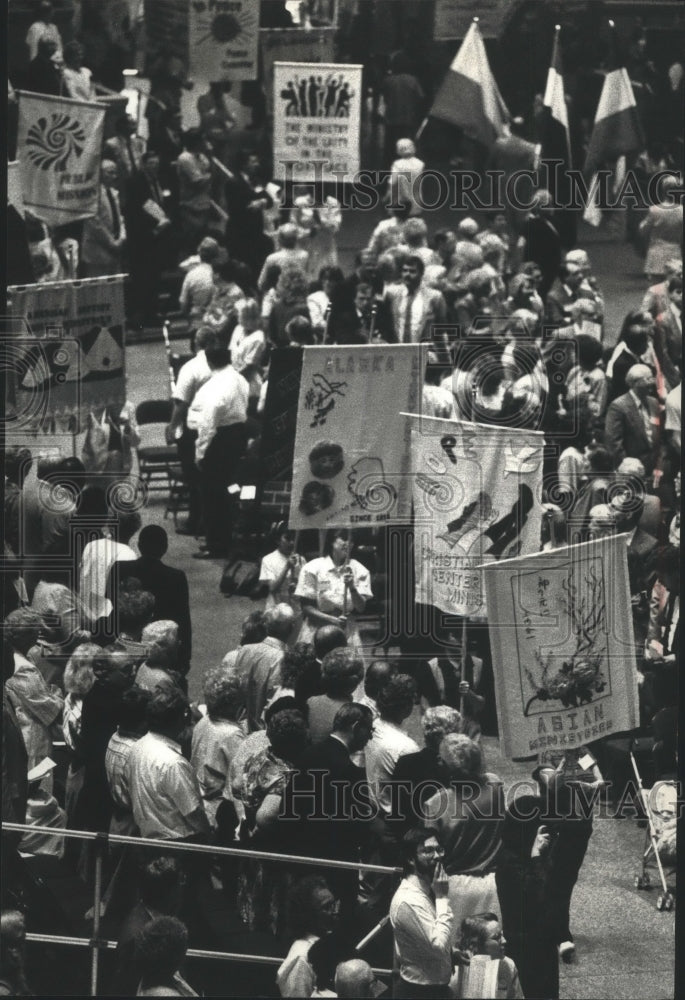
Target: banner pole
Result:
[464, 655]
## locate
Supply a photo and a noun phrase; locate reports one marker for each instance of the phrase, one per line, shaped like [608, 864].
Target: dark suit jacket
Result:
[338, 835]
[624, 432]
[140, 225]
[245, 239]
[641, 570]
[668, 345]
[169, 587]
[345, 326]
[543, 245]
[622, 365]
[413, 773]
[559, 298]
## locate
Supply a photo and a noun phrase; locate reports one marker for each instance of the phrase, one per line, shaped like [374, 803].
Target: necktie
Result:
[646, 421]
[116, 221]
[406, 335]
[132, 165]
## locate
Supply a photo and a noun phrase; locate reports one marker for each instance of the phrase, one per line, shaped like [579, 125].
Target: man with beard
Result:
[422, 919]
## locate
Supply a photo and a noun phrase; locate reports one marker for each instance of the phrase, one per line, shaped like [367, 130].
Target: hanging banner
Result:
[277, 442]
[476, 499]
[563, 650]
[305, 45]
[14, 195]
[67, 354]
[351, 463]
[222, 39]
[59, 147]
[317, 121]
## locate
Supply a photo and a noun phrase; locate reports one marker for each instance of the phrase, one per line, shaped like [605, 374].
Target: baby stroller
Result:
[661, 808]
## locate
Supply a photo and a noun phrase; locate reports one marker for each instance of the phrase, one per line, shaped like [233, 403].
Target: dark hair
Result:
[329, 273]
[328, 638]
[217, 357]
[473, 930]
[129, 523]
[351, 715]
[316, 496]
[378, 674]
[193, 139]
[160, 948]
[158, 878]
[153, 541]
[341, 672]
[600, 459]
[589, 350]
[411, 841]
[167, 711]
[396, 698]
[302, 920]
[326, 449]
[17, 460]
[295, 662]
[300, 331]
[636, 317]
[133, 708]
[415, 261]
[284, 704]
[253, 628]
[287, 732]
[331, 537]
[136, 608]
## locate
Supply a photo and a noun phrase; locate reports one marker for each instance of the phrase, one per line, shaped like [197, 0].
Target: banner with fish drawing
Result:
[67, 352]
[563, 650]
[476, 499]
[351, 464]
[59, 146]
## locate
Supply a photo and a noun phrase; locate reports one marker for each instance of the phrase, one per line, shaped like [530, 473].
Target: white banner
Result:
[317, 120]
[476, 499]
[14, 195]
[59, 147]
[563, 650]
[351, 464]
[223, 40]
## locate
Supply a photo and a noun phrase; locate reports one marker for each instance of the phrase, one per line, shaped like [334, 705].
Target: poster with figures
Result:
[317, 120]
[351, 464]
[476, 499]
[563, 649]
[223, 37]
[66, 358]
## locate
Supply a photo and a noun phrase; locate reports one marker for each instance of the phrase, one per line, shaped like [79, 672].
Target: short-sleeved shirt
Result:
[192, 169]
[214, 745]
[116, 758]
[191, 377]
[382, 752]
[197, 290]
[322, 581]
[272, 566]
[164, 790]
[220, 402]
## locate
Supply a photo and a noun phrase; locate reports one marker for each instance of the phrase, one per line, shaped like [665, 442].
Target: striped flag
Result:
[469, 96]
[556, 143]
[617, 131]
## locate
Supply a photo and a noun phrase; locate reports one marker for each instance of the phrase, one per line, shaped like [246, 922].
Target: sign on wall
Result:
[317, 120]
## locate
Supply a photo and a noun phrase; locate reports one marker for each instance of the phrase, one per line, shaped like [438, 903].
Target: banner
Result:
[351, 462]
[317, 117]
[14, 195]
[476, 499]
[563, 650]
[292, 45]
[59, 146]
[67, 352]
[223, 39]
[277, 443]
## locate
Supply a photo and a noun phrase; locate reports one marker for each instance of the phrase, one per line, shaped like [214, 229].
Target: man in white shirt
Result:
[280, 571]
[165, 796]
[96, 562]
[422, 919]
[218, 414]
[198, 285]
[395, 703]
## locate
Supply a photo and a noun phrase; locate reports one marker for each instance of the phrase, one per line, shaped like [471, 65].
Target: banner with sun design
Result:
[223, 39]
[59, 146]
[72, 361]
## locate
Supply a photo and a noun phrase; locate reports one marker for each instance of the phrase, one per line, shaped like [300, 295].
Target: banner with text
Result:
[476, 499]
[59, 146]
[563, 650]
[292, 45]
[351, 463]
[223, 40]
[277, 442]
[317, 120]
[67, 353]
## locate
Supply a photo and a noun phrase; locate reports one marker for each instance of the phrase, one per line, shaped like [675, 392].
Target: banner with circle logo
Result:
[351, 465]
[223, 40]
[59, 147]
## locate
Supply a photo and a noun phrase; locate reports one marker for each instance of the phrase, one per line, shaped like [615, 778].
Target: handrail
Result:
[176, 845]
[221, 956]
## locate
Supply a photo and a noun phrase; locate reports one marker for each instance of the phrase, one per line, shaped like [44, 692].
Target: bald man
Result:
[632, 428]
[354, 979]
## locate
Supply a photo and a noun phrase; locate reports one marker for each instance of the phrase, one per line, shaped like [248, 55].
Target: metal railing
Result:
[101, 842]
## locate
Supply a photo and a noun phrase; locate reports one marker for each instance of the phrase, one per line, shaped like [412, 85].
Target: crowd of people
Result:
[301, 743]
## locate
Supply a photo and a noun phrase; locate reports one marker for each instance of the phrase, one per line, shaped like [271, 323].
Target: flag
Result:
[617, 130]
[476, 499]
[562, 644]
[556, 138]
[469, 96]
[59, 146]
